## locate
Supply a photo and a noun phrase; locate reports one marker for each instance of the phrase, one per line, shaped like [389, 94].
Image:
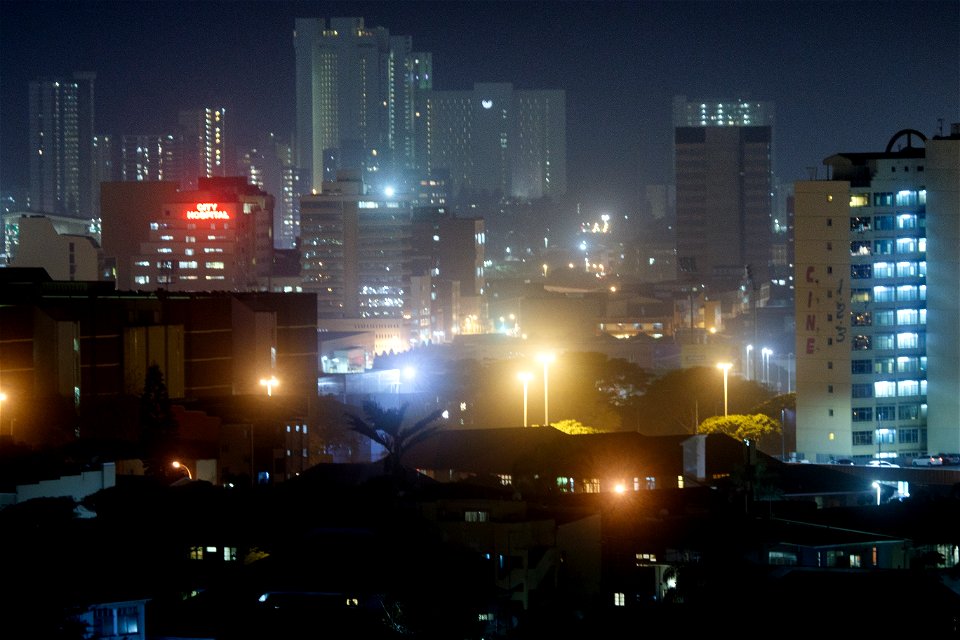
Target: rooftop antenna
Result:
[940, 127]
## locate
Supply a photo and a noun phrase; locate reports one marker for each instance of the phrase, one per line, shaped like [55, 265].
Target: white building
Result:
[874, 378]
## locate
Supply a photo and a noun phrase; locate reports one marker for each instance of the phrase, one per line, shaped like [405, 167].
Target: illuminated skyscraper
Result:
[495, 140]
[203, 151]
[723, 171]
[877, 283]
[61, 139]
[269, 165]
[148, 158]
[355, 91]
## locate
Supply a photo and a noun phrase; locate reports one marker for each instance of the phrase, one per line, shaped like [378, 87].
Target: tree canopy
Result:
[742, 427]
[388, 428]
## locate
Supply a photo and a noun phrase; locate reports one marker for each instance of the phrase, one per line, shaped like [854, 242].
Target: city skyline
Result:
[620, 63]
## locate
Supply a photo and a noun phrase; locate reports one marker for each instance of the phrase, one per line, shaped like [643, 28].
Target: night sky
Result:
[844, 75]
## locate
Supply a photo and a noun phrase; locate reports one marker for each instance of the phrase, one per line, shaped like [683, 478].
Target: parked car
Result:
[950, 458]
[928, 460]
[844, 461]
[883, 463]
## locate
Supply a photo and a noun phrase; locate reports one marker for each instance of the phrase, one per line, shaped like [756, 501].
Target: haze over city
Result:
[843, 75]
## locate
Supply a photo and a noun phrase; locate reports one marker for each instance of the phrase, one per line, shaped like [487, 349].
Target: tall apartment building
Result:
[355, 96]
[355, 246]
[203, 150]
[269, 165]
[148, 158]
[723, 171]
[495, 140]
[878, 322]
[61, 138]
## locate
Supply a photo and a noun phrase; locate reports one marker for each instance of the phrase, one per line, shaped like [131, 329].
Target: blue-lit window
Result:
[906, 221]
[907, 270]
[906, 293]
[884, 389]
[883, 270]
[884, 318]
[907, 198]
[906, 245]
[907, 316]
[908, 388]
[881, 199]
[883, 223]
[884, 294]
[884, 365]
[886, 436]
[907, 364]
[883, 247]
[883, 341]
[908, 341]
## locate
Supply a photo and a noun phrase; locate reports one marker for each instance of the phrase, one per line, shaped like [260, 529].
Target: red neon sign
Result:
[207, 211]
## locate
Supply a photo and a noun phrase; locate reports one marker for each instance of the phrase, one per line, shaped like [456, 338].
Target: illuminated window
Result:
[782, 558]
[214, 265]
[187, 264]
[854, 560]
[505, 479]
[476, 516]
[229, 554]
[591, 485]
[646, 558]
[885, 389]
[859, 200]
[196, 553]
[619, 600]
[142, 280]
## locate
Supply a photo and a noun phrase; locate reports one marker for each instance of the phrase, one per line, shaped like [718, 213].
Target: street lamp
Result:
[546, 359]
[765, 354]
[176, 465]
[880, 434]
[269, 383]
[749, 366]
[525, 377]
[725, 367]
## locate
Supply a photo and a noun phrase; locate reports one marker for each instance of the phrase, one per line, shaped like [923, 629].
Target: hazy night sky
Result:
[844, 75]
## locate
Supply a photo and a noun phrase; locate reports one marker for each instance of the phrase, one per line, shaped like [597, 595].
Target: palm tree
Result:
[386, 428]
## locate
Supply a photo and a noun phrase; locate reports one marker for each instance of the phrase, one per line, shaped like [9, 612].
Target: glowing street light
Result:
[749, 367]
[546, 359]
[765, 354]
[725, 367]
[269, 383]
[176, 465]
[525, 377]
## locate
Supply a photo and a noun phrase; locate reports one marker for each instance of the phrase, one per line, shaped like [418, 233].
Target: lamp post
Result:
[546, 359]
[269, 383]
[725, 367]
[790, 366]
[765, 354]
[749, 367]
[525, 377]
[177, 465]
[880, 433]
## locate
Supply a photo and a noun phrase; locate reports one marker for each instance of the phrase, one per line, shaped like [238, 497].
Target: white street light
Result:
[725, 367]
[749, 367]
[525, 377]
[546, 359]
[766, 353]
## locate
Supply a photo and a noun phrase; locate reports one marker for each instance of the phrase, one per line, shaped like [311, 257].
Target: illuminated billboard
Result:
[209, 211]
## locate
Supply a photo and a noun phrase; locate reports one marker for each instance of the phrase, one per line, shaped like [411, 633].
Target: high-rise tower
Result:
[877, 278]
[61, 135]
[723, 163]
[356, 88]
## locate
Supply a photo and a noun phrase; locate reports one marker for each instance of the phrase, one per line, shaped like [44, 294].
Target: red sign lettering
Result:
[207, 211]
